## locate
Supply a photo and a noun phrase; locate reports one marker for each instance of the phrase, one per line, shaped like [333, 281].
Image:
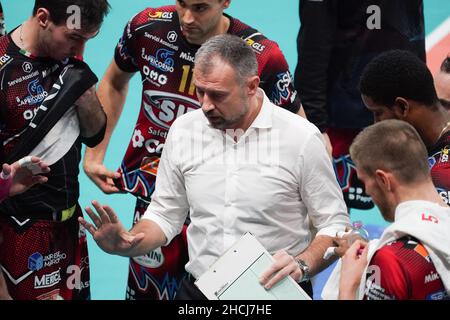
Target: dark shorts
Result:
[45, 260]
[157, 275]
[353, 189]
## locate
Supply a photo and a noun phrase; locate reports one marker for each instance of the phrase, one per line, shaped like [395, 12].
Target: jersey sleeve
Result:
[386, 279]
[124, 51]
[277, 82]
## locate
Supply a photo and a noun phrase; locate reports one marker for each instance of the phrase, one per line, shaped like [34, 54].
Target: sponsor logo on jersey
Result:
[36, 92]
[23, 78]
[27, 67]
[161, 41]
[4, 60]
[281, 91]
[357, 194]
[47, 280]
[172, 36]
[439, 295]
[162, 108]
[444, 154]
[37, 261]
[445, 195]
[163, 59]
[154, 77]
[154, 259]
[187, 56]
[160, 16]
[433, 276]
[152, 145]
[256, 46]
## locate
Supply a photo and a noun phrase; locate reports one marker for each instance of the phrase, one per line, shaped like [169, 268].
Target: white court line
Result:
[438, 34]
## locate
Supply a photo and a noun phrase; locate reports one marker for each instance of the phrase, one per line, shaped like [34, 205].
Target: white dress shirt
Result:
[274, 182]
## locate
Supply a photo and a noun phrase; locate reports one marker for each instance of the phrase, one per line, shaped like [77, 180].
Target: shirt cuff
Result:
[332, 230]
[169, 231]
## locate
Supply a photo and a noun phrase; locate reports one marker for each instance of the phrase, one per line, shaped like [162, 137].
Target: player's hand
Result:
[101, 176]
[284, 265]
[108, 231]
[25, 174]
[354, 263]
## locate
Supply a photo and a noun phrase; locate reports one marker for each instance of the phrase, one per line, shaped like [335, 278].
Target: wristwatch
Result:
[305, 270]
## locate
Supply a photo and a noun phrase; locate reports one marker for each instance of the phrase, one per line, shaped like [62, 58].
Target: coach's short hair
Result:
[232, 50]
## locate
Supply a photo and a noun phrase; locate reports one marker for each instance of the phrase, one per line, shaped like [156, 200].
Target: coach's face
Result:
[225, 100]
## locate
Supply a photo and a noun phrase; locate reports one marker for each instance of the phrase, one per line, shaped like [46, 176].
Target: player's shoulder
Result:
[159, 15]
[256, 39]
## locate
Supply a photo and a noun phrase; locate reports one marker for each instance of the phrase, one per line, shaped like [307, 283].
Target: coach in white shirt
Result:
[239, 164]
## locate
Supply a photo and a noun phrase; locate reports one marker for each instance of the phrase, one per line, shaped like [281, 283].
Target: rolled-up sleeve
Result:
[169, 205]
[319, 189]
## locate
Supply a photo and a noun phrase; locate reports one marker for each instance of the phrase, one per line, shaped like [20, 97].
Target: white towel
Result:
[426, 221]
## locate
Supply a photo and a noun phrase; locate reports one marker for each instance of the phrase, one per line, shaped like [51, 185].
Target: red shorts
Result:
[158, 274]
[353, 189]
[45, 260]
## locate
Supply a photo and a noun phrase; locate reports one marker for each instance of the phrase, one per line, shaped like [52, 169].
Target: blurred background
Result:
[279, 21]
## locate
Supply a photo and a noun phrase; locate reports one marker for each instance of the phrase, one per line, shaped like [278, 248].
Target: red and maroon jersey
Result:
[153, 45]
[440, 166]
[25, 82]
[403, 270]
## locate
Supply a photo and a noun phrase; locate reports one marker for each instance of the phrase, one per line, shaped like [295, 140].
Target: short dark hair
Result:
[445, 66]
[92, 11]
[394, 146]
[398, 73]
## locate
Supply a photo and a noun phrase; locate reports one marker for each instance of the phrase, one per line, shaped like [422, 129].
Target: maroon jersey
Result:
[403, 270]
[44, 252]
[25, 82]
[440, 166]
[153, 44]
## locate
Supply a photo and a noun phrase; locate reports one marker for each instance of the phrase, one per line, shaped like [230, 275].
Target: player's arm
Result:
[112, 93]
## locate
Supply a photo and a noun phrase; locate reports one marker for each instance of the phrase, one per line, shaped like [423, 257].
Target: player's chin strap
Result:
[54, 128]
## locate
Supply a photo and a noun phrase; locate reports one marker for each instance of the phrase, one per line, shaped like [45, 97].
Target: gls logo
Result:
[159, 15]
[4, 60]
[256, 45]
[163, 108]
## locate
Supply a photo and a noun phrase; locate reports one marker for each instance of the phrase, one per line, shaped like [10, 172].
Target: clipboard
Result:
[235, 275]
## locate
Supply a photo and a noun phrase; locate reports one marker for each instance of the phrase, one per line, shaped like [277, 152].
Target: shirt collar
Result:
[264, 117]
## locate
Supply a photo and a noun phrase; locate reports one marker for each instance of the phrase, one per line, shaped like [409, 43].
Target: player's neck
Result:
[436, 124]
[424, 191]
[25, 37]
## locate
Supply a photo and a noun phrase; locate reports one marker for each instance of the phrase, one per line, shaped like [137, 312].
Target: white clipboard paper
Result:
[235, 275]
